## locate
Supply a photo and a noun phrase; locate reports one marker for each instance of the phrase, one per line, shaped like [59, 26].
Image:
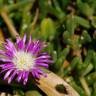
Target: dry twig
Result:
[48, 85]
[9, 23]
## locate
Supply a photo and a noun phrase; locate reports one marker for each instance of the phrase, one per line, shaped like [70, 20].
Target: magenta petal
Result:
[20, 44]
[28, 44]
[6, 47]
[23, 76]
[43, 57]
[37, 75]
[36, 47]
[24, 38]
[36, 72]
[8, 73]
[10, 46]
[5, 60]
[7, 66]
[9, 54]
[26, 78]
[40, 71]
[3, 71]
[42, 64]
[2, 52]
[30, 47]
[19, 76]
[12, 76]
[17, 39]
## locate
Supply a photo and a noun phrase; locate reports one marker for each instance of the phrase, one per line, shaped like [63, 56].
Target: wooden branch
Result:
[48, 85]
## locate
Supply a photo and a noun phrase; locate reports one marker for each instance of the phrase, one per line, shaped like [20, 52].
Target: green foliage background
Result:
[69, 28]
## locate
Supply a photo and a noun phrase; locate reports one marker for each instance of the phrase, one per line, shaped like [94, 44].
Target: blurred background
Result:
[68, 27]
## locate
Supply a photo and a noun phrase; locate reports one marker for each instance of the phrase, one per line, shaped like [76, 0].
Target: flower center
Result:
[24, 60]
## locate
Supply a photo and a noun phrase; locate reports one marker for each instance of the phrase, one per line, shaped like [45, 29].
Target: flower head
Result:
[23, 58]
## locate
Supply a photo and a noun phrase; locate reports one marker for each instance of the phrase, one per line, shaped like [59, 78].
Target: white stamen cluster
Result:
[24, 60]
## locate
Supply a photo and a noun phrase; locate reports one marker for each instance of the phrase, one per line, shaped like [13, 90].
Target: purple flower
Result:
[23, 58]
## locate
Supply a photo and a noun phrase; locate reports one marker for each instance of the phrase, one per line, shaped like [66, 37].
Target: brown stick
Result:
[48, 85]
[9, 23]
